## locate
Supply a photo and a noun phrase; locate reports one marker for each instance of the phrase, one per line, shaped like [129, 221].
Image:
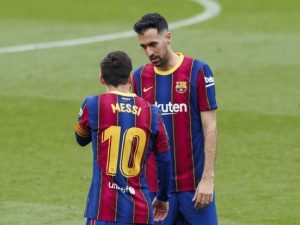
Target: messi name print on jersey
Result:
[123, 129]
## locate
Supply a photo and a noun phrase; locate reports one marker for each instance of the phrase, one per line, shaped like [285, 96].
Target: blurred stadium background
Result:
[253, 49]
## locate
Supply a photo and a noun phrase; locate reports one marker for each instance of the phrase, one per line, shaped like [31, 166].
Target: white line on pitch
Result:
[211, 9]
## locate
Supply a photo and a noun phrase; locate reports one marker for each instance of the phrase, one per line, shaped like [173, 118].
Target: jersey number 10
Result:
[131, 154]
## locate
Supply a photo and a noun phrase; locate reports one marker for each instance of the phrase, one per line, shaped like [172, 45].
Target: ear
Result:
[168, 37]
[101, 79]
[131, 78]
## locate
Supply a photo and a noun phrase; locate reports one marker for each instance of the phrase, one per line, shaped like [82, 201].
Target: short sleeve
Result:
[206, 89]
[82, 127]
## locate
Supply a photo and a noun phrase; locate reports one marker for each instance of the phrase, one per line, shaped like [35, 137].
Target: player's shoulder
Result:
[145, 66]
[142, 101]
[149, 67]
[201, 65]
[138, 69]
[90, 100]
[198, 62]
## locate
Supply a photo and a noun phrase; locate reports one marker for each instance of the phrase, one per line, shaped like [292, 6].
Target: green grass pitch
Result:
[252, 47]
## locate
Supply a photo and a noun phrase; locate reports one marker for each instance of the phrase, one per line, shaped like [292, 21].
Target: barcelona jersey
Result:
[181, 94]
[124, 129]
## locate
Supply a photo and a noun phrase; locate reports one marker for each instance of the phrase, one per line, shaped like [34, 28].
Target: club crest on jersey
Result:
[181, 86]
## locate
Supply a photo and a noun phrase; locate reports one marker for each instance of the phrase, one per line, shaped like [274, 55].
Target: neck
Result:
[125, 88]
[172, 61]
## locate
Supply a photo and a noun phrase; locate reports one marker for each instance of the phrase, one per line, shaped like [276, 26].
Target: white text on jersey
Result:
[170, 108]
[210, 81]
[122, 189]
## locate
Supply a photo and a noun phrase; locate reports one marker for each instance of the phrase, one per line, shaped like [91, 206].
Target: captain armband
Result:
[81, 131]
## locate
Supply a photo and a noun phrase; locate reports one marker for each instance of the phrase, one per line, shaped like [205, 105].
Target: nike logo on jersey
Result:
[147, 89]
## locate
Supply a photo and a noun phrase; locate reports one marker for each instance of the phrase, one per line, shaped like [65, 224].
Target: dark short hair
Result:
[151, 20]
[116, 68]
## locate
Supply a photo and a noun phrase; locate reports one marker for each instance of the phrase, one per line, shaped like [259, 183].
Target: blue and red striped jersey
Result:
[124, 129]
[181, 94]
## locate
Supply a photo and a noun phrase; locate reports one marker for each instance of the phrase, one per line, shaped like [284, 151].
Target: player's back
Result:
[122, 128]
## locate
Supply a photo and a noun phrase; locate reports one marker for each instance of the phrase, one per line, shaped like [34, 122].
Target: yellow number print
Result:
[112, 134]
[133, 145]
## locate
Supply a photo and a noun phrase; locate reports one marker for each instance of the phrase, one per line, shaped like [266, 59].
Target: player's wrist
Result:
[162, 197]
[208, 177]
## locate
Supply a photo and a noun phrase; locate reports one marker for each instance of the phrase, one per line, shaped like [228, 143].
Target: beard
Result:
[158, 61]
[161, 59]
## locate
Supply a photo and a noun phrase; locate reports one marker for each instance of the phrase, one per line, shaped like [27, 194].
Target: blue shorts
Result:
[182, 211]
[90, 221]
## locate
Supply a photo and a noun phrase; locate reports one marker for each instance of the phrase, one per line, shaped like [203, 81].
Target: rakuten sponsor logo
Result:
[170, 108]
[127, 189]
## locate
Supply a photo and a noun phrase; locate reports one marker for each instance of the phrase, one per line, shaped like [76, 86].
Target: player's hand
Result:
[160, 209]
[204, 193]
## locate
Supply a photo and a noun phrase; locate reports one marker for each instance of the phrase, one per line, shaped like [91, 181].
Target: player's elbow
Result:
[82, 141]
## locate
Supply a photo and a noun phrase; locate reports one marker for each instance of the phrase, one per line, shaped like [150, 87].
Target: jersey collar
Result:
[170, 71]
[123, 93]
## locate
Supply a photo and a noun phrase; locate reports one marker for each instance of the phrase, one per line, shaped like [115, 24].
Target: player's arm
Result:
[162, 156]
[205, 189]
[160, 203]
[82, 130]
[207, 106]
[209, 123]
[163, 175]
